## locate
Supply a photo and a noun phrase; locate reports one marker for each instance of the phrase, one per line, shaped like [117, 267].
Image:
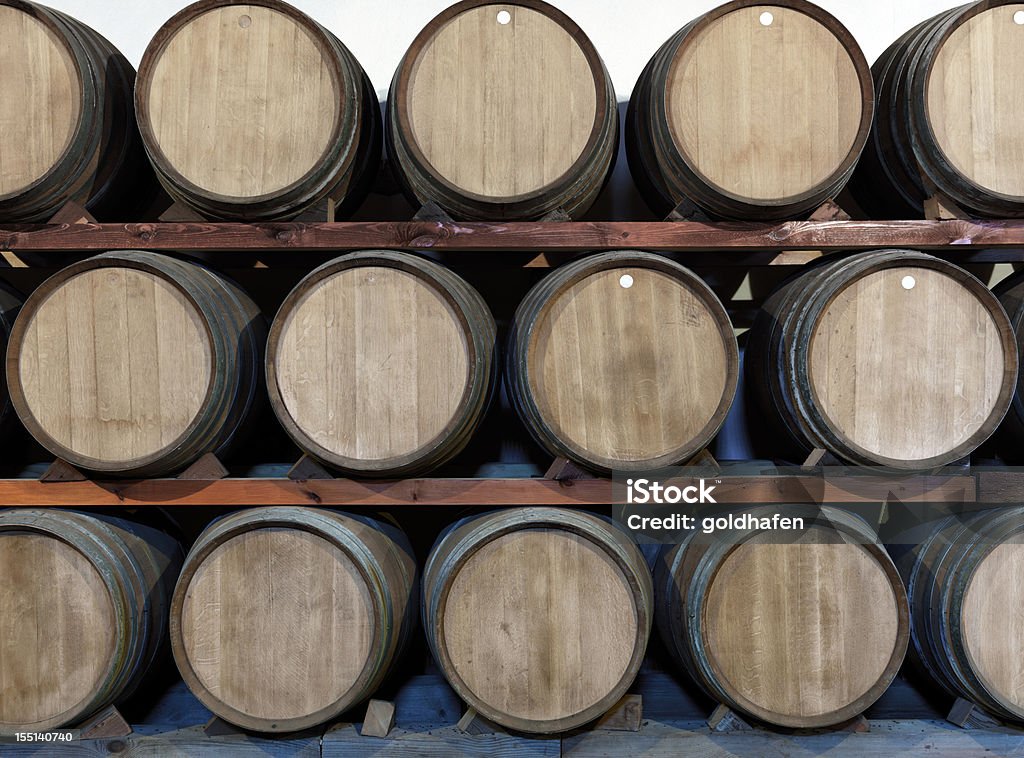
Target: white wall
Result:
[625, 33]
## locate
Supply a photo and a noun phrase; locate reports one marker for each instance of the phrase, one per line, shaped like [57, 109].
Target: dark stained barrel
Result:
[622, 361]
[69, 132]
[537, 617]
[83, 613]
[949, 112]
[889, 358]
[284, 618]
[529, 124]
[751, 111]
[382, 363]
[803, 632]
[136, 364]
[252, 110]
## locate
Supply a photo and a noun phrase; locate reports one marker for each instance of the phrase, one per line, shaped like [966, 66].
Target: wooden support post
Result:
[62, 471]
[625, 716]
[307, 468]
[380, 718]
[725, 719]
[106, 724]
[562, 470]
[967, 715]
[206, 469]
[473, 723]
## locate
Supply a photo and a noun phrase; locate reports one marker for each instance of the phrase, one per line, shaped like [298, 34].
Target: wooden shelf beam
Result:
[463, 492]
[966, 235]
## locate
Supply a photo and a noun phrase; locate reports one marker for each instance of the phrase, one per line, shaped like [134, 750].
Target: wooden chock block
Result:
[558, 214]
[857, 725]
[818, 458]
[431, 211]
[473, 723]
[208, 468]
[62, 471]
[967, 715]
[72, 213]
[625, 716]
[217, 727]
[380, 718]
[562, 470]
[106, 724]
[829, 211]
[725, 719]
[940, 208]
[176, 213]
[307, 468]
[704, 461]
[687, 211]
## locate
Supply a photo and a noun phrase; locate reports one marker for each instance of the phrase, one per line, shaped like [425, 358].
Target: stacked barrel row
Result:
[280, 619]
[505, 110]
[382, 363]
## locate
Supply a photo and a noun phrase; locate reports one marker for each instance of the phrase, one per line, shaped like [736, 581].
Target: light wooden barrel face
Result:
[975, 99]
[501, 100]
[41, 86]
[243, 101]
[627, 364]
[540, 624]
[277, 623]
[115, 364]
[764, 111]
[56, 629]
[907, 363]
[992, 626]
[800, 630]
[372, 363]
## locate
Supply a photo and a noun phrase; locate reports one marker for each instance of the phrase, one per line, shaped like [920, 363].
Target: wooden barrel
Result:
[252, 110]
[284, 618]
[965, 598]
[950, 104]
[889, 358]
[622, 361]
[382, 363]
[135, 364]
[804, 631]
[523, 124]
[83, 613]
[537, 617]
[69, 132]
[755, 110]
[1010, 292]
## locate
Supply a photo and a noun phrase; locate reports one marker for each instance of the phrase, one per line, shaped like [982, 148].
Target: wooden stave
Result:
[665, 177]
[574, 193]
[103, 169]
[481, 332]
[386, 562]
[778, 345]
[344, 174]
[139, 566]
[937, 573]
[693, 565]
[517, 352]
[236, 346]
[905, 160]
[458, 543]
